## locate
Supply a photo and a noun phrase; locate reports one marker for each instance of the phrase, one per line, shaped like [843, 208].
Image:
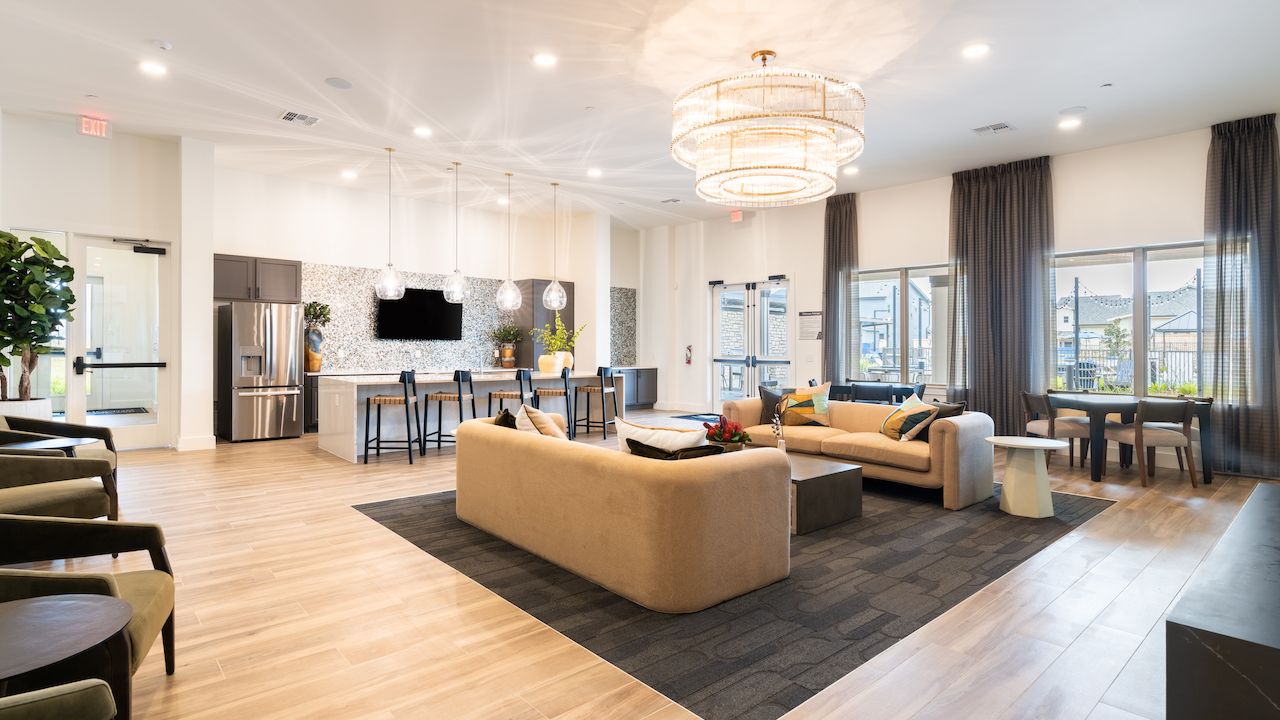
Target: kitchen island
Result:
[342, 404]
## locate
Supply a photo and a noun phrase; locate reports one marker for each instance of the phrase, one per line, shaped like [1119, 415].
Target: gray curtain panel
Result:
[1001, 332]
[1242, 303]
[840, 288]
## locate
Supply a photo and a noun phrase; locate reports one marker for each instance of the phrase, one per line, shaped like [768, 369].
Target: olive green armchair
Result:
[81, 700]
[104, 449]
[150, 593]
[47, 482]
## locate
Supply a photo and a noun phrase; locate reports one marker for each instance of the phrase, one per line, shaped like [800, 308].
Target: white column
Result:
[195, 291]
[588, 251]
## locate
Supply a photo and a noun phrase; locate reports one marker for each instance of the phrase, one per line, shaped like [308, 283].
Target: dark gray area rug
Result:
[854, 590]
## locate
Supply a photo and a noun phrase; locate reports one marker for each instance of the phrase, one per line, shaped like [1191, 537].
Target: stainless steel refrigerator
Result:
[259, 370]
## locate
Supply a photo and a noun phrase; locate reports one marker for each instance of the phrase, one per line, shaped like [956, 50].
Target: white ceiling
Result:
[463, 68]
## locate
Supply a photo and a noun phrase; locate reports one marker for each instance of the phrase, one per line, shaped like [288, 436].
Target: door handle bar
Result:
[80, 365]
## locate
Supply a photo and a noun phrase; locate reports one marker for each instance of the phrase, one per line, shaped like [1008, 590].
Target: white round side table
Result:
[1026, 480]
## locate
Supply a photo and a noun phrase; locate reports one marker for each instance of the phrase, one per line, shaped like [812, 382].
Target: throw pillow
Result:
[648, 451]
[770, 400]
[908, 420]
[533, 420]
[505, 419]
[669, 439]
[945, 410]
[807, 406]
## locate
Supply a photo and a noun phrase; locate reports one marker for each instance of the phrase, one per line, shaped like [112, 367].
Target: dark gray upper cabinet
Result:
[279, 280]
[233, 277]
[236, 277]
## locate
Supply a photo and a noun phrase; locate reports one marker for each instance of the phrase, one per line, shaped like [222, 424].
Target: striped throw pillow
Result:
[806, 406]
[908, 420]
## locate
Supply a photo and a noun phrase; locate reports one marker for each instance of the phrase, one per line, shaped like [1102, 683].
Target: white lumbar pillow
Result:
[669, 439]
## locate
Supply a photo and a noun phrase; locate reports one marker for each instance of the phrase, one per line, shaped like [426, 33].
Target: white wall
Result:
[624, 257]
[1142, 193]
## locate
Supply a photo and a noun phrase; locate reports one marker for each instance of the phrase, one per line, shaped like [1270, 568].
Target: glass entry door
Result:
[752, 338]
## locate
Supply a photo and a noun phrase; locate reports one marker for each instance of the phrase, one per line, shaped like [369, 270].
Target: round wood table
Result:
[38, 632]
[1026, 479]
[67, 445]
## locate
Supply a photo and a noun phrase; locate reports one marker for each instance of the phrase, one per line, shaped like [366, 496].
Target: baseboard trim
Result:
[196, 442]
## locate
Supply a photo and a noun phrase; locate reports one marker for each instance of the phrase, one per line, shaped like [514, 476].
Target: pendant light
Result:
[509, 298]
[554, 297]
[390, 285]
[455, 286]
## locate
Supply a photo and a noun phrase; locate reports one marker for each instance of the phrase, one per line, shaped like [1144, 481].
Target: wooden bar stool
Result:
[408, 398]
[440, 398]
[604, 391]
[560, 392]
[524, 393]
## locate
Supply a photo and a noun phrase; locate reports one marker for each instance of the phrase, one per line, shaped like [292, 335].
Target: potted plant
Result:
[727, 434]
[507, 336]
[35, 301]
[316, 316]
[557, 346]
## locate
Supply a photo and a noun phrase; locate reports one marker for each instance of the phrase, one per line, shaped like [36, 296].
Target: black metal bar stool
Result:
[409, 397]
[604, 391]
[560, 392]
[440, 398]
[522, 395]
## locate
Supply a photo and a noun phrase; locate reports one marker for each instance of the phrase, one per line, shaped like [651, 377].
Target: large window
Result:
[902, 328]
[1129, 321]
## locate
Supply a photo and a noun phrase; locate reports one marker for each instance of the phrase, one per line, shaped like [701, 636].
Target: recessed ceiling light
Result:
[594, 172]
[350, 174]
[337, 82]
[422, 131]
[1069, 123]
[850, 169]
[975, 51]
[545, 59]
[153, 68]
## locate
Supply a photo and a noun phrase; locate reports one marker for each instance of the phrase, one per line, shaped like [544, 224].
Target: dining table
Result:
[1097, 406]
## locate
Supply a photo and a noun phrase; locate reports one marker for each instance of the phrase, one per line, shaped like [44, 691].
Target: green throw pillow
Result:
[649, 451]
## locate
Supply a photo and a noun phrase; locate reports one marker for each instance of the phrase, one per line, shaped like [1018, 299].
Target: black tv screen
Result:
[419, 315]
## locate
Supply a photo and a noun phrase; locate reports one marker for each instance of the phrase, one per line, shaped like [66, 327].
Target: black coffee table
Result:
[38, 632]
[67, 445]
[823, 492]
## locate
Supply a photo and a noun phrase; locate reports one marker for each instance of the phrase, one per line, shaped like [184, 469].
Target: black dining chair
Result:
[409, 399]
[604, 390]
[522, 394]
[560, 391]
[873, 392]
[461, 396]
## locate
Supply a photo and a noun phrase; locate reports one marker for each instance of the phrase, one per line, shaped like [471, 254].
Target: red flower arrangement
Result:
[726, 431]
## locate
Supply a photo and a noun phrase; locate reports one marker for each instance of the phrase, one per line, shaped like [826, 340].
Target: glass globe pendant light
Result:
[554, 297]
[455, 286]
[509, 298]
[390, 286]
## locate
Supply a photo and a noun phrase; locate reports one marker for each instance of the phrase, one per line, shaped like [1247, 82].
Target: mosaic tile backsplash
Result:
[349, 339]
[622, 331]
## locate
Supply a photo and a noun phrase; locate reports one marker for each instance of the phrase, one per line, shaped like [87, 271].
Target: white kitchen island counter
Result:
[342, 405]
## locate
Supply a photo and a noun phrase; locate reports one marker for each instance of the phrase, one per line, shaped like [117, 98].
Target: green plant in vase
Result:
[557, 345]
[35, 302]
[506, 336]
[316, 316]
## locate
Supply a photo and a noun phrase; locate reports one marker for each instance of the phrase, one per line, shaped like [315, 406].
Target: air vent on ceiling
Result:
[671, 200]
[299, 119]
[994, 129]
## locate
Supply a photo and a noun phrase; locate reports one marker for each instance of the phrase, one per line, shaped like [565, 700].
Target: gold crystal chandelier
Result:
[768, 137]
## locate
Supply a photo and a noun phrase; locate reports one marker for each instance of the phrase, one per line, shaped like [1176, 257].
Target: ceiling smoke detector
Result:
[298, 118]
[994, 129]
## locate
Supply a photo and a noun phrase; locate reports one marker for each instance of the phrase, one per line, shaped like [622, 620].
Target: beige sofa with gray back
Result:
[956, 457]
[673, 536]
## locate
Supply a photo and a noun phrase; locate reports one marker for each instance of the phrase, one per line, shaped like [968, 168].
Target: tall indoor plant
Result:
[35, 301]
[316, 316]
[557, 345]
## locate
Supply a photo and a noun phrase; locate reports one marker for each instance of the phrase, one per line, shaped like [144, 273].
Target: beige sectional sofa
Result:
[675, 537]
[956, 458]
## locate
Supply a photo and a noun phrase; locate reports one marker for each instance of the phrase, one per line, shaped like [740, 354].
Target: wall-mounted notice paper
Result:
[810, 325]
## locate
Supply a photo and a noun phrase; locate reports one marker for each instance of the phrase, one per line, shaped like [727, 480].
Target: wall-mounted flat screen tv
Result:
[419, 315]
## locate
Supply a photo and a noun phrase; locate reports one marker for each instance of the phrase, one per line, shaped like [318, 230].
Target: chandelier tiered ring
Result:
[769, 137]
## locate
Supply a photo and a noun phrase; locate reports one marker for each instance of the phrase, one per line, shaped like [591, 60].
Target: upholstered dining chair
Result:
[1158, 423]
[82, 700]
[1194, 433]
[1043, 421]
[47, 482]
[150, 593]
[103, 449]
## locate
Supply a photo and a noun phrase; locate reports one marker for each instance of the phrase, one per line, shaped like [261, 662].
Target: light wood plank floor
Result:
[291, 604]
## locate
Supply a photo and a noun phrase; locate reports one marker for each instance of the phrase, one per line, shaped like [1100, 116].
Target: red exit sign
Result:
[95, 127]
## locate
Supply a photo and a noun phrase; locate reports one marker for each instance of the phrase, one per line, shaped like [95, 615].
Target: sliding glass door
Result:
[752, 344]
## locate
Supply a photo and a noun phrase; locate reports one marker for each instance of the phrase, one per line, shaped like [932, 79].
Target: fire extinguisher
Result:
[688, 354]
